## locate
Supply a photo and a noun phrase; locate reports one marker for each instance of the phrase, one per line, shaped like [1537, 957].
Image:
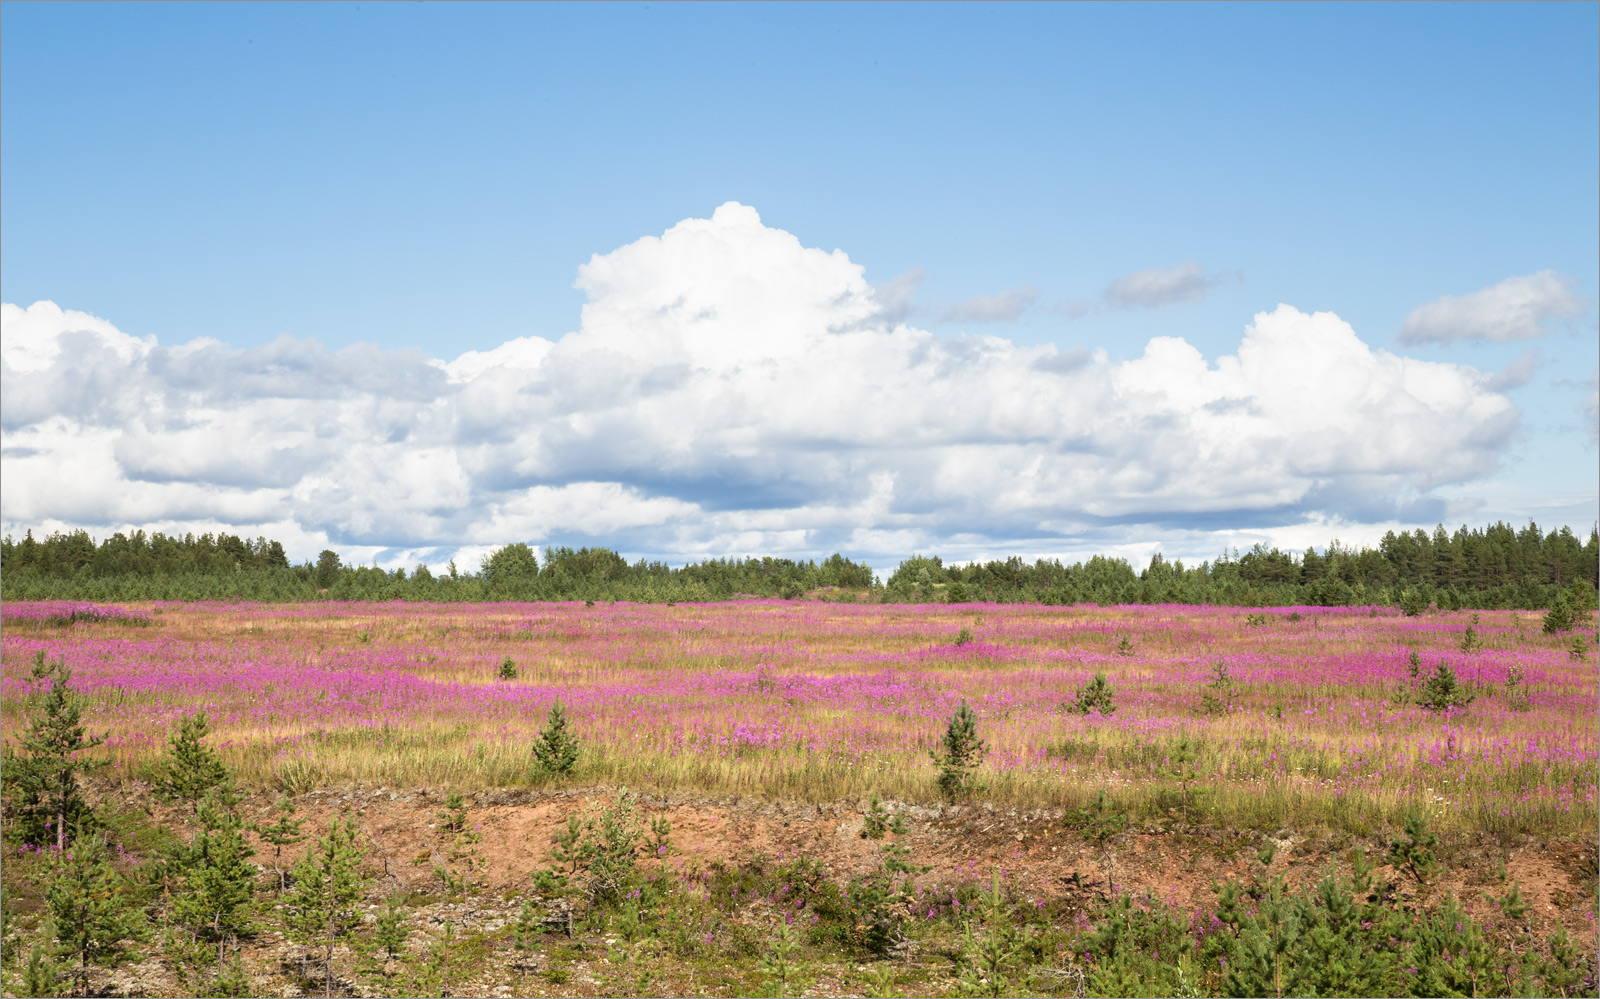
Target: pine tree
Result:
[287, 831]
[1443, 690]
[389, 935]
[525, 937]
[321, 905]
[92, 909]
[190, 769]
[1416, 850]
[780, 967]
[963, 752]
[1560, 616]
[47, 771]
[1096, 695]
[1183, 766]
[556, 749]
[214, 904]
[989, 952]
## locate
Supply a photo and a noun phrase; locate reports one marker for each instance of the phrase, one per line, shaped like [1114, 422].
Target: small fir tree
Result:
[615, 839]
[525, 935]
[877, 822]
[1183, 766]
[1471, 641]
[556, 748]
[659, 845]
[963, 752]
[41, 976]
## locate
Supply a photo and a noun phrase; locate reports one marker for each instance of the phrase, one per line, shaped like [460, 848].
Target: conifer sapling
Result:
[556, 748]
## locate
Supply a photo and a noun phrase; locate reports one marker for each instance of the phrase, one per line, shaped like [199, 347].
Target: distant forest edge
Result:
[1492, 567]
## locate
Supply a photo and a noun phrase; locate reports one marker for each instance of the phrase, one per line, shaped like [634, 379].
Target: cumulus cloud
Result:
[1159, 286]
[1008, 306]
[727, 390]
[1518, 308]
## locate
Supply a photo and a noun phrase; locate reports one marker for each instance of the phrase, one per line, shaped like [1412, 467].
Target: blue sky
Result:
[428, 179]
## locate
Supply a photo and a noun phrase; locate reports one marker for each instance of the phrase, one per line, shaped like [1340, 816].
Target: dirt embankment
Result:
[1042, 855]
[1038, 851]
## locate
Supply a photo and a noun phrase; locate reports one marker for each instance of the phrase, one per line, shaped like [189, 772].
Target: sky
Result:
[415, 281]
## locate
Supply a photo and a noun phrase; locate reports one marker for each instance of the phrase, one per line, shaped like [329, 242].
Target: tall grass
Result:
[827, 701]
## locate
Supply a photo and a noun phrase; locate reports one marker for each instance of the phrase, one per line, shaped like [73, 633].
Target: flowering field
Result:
[1309, 713]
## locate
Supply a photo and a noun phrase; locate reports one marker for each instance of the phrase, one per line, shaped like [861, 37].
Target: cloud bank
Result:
[1517, 308]
[729, 391]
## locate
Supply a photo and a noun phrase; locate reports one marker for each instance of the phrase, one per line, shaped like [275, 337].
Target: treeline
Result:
[1491, 567]
[158, 567]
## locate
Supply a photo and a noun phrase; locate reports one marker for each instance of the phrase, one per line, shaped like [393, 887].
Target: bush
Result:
[508, 669]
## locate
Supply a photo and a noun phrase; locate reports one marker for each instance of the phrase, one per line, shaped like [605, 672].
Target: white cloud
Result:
[1008, 306]
[1159, 286]
[1516, 374]
[1517, 308]
[728, 390]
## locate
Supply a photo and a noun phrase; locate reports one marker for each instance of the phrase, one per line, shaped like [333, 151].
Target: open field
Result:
[822, 701]
[758, 733]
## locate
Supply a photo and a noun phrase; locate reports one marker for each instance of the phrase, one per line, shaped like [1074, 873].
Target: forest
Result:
[1492, 567]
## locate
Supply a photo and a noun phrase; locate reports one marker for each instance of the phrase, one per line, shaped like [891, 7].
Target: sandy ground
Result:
[1036, 851]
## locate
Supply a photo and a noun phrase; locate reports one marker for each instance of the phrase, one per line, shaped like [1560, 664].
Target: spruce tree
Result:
[92, 909]
[47, 772]
[321, 906]
[556, 749]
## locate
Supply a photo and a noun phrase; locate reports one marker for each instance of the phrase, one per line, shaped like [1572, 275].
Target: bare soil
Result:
[1038, 853]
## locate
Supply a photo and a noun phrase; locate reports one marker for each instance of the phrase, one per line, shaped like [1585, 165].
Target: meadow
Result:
[1308, 713]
